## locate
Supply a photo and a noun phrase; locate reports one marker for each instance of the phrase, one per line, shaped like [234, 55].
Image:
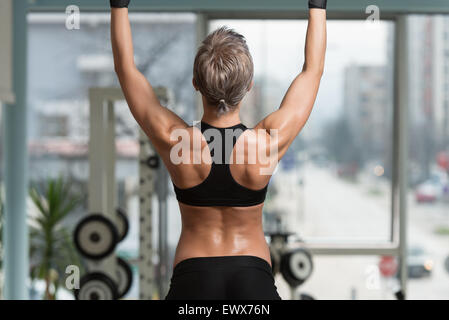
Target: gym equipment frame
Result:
[98, 233]
[102, 187]
[267, 9]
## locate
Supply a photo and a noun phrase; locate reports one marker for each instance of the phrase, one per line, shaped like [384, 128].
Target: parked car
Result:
[427, 191]
[432, 189]
[347, 170]
[419, 264]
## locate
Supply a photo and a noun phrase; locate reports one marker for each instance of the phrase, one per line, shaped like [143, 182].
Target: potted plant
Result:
[51, 246]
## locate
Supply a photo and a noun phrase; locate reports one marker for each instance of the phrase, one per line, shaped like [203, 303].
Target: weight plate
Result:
[296, 266]
[300, 265]
[96, 286]
[122, 224]
[95, 237]
[124, 277]
[153, 162]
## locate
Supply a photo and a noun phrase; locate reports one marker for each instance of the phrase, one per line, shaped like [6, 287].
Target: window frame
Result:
[397, 13]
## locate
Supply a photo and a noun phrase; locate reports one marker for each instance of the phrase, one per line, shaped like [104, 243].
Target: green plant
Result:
[442, 230]
[51, 246]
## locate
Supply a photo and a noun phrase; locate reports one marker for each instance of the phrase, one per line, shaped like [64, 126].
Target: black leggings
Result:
[221, 278]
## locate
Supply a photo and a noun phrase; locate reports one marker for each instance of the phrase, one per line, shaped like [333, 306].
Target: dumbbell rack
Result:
[148, 162]
[97, 234]
[153, 181]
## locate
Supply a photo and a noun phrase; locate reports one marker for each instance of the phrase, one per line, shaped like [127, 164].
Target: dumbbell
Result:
[124, 277]
[121, 223]
[96, 286]
[151, 161]
[99, 286]
[296, 266]
[96, 236]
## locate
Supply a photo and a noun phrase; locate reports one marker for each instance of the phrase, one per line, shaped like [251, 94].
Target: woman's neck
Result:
[228, 119]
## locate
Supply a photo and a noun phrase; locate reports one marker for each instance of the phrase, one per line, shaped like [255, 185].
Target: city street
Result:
[328, 208]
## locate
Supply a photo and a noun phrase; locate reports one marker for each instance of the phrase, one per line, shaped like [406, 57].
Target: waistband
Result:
[221, 262]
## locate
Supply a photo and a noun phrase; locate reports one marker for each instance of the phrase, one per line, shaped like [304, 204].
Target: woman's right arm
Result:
[154, 119]
[298, 102]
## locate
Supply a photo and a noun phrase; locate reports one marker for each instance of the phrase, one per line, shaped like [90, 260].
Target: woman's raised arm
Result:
[156, 120]
[298, 102]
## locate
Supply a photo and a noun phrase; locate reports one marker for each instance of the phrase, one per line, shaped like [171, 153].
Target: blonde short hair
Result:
[223, 69]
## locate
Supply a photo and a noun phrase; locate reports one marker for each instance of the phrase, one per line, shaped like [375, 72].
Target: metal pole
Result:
[401, 132]
[110, 178]
[146, 190]
[202, 29]
[162, 191]
[15, 169]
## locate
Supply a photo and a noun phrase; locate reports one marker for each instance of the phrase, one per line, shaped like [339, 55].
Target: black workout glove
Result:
[319, 4]
[119, 3]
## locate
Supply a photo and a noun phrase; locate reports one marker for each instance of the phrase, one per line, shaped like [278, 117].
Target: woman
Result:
[222, 252]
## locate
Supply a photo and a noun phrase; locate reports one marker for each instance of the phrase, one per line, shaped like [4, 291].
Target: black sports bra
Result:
[219, 188]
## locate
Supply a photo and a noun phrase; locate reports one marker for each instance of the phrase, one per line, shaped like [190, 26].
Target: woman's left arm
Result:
[156, 120]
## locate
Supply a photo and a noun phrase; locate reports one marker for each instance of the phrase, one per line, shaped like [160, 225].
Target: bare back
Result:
[222, 230]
